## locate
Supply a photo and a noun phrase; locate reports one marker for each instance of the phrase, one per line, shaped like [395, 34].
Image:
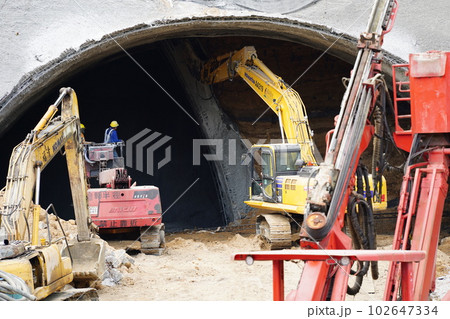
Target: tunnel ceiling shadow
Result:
[115, 88]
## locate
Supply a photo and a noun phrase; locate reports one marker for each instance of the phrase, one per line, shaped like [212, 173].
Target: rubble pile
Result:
[117, 261]
[56, 233]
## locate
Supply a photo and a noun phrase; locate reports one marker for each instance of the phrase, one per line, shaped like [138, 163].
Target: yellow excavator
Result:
[281, 174]
[34, 267]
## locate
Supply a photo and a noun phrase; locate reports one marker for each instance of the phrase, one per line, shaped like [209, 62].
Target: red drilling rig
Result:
[327, 251]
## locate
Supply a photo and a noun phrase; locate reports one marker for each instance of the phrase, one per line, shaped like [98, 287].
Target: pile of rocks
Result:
[116, 261]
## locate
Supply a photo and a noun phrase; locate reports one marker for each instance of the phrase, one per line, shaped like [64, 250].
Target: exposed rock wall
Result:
[215, 124]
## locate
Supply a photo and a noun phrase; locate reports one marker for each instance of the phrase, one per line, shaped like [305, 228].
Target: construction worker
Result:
[82, 130]
[111, 133]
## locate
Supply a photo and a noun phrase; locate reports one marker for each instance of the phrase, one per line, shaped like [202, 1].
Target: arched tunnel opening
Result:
[193, 195]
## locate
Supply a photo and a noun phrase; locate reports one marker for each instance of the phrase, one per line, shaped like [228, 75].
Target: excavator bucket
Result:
[88, 260]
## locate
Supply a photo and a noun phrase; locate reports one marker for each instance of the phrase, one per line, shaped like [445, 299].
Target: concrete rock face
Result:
[45, 43]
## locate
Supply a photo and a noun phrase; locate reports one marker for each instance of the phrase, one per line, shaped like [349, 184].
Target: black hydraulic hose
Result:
[353, 290]
[378, 148]
[357, 234]
[360, 238]
[361, 223]
[359, 181]
[384, 138]
[370, 223]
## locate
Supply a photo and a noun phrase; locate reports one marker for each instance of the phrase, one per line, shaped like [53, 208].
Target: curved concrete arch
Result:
[39, 81]
[36, 83]
[38, 39]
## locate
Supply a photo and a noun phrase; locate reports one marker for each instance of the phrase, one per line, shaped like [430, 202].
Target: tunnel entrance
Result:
[117, 89]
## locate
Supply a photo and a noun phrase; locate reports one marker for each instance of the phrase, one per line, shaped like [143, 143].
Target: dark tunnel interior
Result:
[117, 89]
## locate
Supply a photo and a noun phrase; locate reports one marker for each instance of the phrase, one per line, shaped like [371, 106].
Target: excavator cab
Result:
[288, 159]
[270, 162]
[262, 180]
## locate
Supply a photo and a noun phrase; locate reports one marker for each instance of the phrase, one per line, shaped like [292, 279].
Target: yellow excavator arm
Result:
[31, 156]
[283, 100]
[46, 267]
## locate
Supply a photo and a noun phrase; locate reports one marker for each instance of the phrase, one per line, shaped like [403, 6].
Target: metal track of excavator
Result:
[274, 230]
[153, 240]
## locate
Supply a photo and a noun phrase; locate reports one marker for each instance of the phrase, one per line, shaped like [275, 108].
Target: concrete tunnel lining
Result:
[40, 81]
[213, 121]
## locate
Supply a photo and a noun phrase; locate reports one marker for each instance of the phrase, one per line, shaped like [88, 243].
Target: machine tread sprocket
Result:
[153, 240]
[274, 230]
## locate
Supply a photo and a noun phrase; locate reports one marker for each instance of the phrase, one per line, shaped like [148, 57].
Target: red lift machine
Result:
[117, 206]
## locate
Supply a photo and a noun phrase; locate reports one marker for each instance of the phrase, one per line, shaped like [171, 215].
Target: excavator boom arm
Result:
[46, 267]
[283, 100]
[32, 155]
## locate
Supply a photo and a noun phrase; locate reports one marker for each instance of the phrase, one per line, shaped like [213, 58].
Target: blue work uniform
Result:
[111, 136]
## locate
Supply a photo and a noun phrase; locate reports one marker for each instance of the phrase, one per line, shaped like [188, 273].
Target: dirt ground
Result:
[198, 266]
